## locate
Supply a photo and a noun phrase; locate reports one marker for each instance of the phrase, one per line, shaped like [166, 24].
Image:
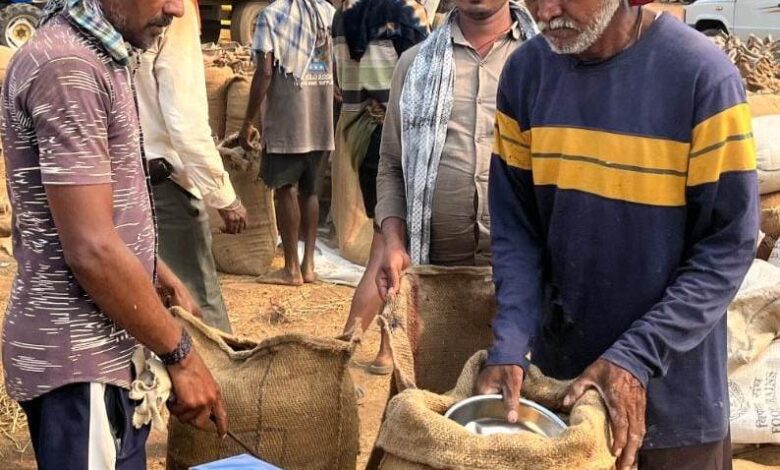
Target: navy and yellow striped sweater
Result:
[624, 205]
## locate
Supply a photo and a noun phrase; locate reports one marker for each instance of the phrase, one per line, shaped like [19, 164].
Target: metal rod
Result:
[238, 441]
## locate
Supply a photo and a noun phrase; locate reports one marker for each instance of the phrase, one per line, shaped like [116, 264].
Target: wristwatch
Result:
[180, 352]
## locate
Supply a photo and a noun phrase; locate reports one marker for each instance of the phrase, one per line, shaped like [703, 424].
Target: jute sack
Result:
[438, 319]
[237, 100]
[291, 397]
[353, 228]
[252, 251]
[217, 81]
[763, 104]
[416, 436]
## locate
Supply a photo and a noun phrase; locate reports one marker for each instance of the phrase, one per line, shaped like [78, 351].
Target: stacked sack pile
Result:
[754, 329]
[759, 63]
[229, 70]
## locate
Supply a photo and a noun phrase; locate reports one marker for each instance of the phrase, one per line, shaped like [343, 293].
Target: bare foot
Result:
[281, 277]
[309, 276]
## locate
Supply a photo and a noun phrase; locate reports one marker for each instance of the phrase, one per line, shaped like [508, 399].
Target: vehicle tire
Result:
[18, 23]
[712, 32]
[243, 20]
[210, 31]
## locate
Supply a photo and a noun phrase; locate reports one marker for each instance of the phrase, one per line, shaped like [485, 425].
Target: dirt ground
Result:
[256, 311]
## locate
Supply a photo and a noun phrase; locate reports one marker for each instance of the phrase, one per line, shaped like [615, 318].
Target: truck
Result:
[742, 18]
[242, 15]
[18, 21]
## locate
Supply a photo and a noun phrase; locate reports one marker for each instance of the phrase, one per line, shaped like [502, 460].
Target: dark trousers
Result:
[713, 456]
[86, 426]
[185, 246]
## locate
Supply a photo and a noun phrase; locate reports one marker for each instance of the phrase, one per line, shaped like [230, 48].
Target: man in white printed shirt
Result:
[184, 165]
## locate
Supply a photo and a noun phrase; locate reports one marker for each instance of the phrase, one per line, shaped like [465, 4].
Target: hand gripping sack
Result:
[416, 436]
[252, 251]
[291, 397]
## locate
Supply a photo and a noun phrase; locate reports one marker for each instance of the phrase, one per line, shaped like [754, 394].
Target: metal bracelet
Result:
[179, 353]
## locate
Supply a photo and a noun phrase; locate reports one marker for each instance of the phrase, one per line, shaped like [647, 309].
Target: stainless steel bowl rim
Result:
[477, 398]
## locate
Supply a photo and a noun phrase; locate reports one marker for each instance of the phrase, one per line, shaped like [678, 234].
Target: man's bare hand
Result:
[395, 261]
[626, 401]
[180, 297]
[235, 218]
[506, 380]
[249, 137]
[196, 396]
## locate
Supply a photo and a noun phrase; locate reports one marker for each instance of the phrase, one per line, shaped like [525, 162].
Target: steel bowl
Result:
[485, 415]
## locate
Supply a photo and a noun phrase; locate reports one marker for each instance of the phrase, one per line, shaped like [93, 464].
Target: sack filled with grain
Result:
[763, 104]
[754, 356]
[767, 138]
[252, 251]
[217, 80]
[237, 100]
[438, 319]
[416, 436]
[353, 228]
[290, 397]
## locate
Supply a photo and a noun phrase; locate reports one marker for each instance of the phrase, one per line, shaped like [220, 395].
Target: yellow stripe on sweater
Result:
[512, 144]
[721, 144]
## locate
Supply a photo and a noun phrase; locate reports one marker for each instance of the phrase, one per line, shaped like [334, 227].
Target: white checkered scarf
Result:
[426, 106]
[292, 30]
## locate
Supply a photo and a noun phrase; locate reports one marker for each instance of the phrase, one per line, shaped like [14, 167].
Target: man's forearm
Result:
[261, 82]
[115, 279]
[394, 231]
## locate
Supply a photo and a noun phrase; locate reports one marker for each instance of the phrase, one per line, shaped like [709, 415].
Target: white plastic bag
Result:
[754, 391]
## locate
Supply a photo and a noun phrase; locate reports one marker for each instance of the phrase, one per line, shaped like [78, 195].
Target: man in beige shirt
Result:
[483, 35]
[185, 168]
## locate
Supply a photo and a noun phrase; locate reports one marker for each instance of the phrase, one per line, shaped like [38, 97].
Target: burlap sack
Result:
[217, 81]
[289, 396]
[763, 104]
[252, 251]
[416, 436]
[440, 317]
[237, 101]
[353, 228]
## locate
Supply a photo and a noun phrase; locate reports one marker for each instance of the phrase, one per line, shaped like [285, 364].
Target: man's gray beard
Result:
[590, 35]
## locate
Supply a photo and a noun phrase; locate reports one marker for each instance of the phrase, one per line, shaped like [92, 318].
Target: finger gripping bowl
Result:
[485, 415]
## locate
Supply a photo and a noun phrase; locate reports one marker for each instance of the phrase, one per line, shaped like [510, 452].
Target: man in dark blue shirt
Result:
[624, 204]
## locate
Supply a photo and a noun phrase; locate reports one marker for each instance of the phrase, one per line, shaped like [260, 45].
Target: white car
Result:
[738, 17]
